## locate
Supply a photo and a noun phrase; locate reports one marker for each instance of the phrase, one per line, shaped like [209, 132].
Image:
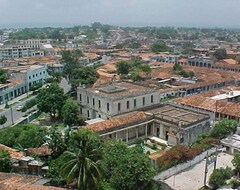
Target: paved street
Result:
[16, 115]
[193, 177]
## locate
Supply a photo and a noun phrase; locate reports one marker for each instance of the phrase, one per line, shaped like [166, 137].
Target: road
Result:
[15, 114]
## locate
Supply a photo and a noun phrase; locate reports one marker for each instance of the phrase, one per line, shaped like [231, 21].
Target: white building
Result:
[115, 99]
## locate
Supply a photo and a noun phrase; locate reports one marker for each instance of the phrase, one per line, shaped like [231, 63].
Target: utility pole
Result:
[11, 114]
[206, 170]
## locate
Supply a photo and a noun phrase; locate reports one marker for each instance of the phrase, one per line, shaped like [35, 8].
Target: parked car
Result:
[19, 108]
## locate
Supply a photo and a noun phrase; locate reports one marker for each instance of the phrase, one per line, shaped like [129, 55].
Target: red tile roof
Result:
[117, 121]
[13, 153]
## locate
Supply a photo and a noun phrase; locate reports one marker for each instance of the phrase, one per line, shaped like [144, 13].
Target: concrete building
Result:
[115, 99]
[172, 123]
[21, 79]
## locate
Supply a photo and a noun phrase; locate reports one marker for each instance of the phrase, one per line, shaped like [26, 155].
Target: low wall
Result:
[179, 168]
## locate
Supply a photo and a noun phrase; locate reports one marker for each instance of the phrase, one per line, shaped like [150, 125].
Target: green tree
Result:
[5, 162]
[159, 47]
[51, 100]
[220, 54]
[223, 128]
[236, 161]
[83, 75]
[26, 136]
[177, 67]
[53, 172]
[71, 61]
[3, 76]
[29, 104]
[126, 168]
[219, 176]
[70, 113]
[123, 67]
[81, 163]
[57, 142]
[3, 120]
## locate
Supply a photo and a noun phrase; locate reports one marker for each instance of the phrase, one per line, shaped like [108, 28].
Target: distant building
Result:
[21, 79]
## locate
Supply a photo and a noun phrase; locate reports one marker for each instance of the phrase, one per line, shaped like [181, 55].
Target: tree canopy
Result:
[220, 54]
[5, 162]
[219, 176]
[133, 69]
[223, 128]
[3, 119]
[236, 161]
[83, 75]
[51, 100]
[159, 47]
[26, 136]
[71, 61]
[70, 113]
[3, 76]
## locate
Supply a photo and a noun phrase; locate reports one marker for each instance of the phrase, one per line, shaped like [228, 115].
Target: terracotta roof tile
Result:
[117, 121]
[13, 153]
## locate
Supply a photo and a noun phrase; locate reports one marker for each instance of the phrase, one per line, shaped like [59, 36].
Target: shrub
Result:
[234, 183]
[180, 153]
[223, 128]
[219, 176]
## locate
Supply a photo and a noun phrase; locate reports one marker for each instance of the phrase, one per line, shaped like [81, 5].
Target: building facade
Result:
[115, 99]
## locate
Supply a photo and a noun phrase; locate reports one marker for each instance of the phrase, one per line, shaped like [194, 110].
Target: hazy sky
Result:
[123, 12]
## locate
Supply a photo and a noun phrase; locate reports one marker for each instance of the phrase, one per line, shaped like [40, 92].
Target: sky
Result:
[196, 13]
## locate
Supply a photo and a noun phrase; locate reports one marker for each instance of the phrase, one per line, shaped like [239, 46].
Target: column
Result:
[136, 130]
[126, 132]
[116, 135]
[146, 130]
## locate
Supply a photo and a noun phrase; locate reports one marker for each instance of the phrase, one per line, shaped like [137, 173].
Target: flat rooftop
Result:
[118, 90]
[174, 114]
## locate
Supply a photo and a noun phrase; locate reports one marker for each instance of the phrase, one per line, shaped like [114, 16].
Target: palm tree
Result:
[82, 164]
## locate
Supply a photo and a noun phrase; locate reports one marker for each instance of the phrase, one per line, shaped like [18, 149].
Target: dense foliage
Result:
[5, 162]
[220, 54]
[83, 75]
[219, 176]
[236, 162]
[3, 76]
[112, 164]
[133, 70]
[70, 113]
[51, 100]
[3, 119]
[180, 153]
[160, 47]
[223, 128]
[26, 136]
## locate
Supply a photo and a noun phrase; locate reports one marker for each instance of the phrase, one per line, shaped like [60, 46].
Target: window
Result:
[99, 116]
[33, 76]
[29, 77]
[93, 102]
[81, 111]
[80, 97]
[151, 98]
[87, 99]
[143, 101]
[107, 106]
[88, 113]
[99, 103]
[135, 103]
[119, 106]
[127, 104]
